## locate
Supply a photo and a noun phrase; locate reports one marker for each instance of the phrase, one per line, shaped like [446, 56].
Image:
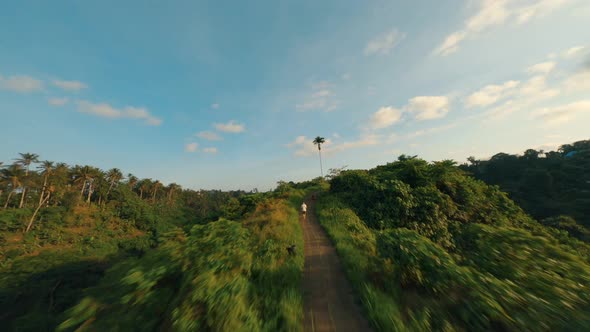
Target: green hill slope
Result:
[430, 248]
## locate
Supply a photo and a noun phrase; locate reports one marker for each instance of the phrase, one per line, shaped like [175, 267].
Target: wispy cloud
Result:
[57, 101]
[230, 127]
[215, 106]
[563, 113]
[542, 68]
[209, 135]
[495, 13]
[304, 146]
[490, 94]
[191, 147]
[383, 44]
[429, 107]
[572, 52]
[430, 131]
[107, 111]
[527, 95]
[577, 82]
[385, 117]
[320, 98]
[20, 83]
[70, 85]
[211, 150]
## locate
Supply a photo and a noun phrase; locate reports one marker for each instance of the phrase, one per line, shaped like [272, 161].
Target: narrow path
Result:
[327, 296]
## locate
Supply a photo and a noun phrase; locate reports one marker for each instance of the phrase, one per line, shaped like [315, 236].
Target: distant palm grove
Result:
[500, 244]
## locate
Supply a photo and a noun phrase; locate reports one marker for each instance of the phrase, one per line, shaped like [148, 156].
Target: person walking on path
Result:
[303, 210]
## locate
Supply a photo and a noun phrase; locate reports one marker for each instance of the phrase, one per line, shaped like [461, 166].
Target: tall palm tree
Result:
[132, 181]
[61, 181]
[144, 186]
[13, 176]
[114, 175]
[96, 177]
[26, 159]
[172, 188]
[319, 141]
[83, 175]
[155, 186]
[46, 168]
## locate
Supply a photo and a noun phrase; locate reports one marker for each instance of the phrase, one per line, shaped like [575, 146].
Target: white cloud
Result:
[304, 146]
[383, 44]
[495, 13]
[321, 98]
[527, 95]
[57, 101]
[361, 142]
[230, 127]
[564, 113]
[70, 85]
[345, 76]
[191, 147]
[385, 117]
[490, 94]
[215, 106]
[429, 107]
[20, 83]
[542, 68]
[536, 87]
[577, 82]
[430, 131]
[209, 135]
[451, 43]
[107, 111]
[538, 8]
[210, 150]
[572, 52]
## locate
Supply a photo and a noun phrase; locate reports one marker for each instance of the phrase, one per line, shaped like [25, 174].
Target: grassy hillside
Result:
[429, 248]
[91, 250]
[552, 186]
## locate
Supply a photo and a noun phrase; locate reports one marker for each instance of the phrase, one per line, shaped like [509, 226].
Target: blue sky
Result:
[228, 95]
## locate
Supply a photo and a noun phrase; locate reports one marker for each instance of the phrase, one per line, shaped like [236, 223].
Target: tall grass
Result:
[499, 278]
[221, 276]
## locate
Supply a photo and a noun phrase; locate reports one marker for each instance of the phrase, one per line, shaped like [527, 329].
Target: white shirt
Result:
[303, 207]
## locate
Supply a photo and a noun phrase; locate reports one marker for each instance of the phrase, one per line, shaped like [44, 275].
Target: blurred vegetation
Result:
[547, 185]
[109, 252]
[427, 247]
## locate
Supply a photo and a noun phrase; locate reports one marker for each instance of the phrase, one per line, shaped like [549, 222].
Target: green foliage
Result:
[545, 185]
[569, 225]
[222, 276]
[436, 250]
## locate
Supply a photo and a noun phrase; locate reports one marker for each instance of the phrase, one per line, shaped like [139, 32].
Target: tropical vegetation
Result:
[86, 249]
[427, 247]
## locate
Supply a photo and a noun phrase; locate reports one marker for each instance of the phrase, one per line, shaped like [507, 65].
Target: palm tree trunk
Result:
[154, 196]
[8, 199]
[140, 193]
[321, 166]
[22, 198]
[109, 191]
[35, 213]
[89, 193]
[43, 190]
[83, 187]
